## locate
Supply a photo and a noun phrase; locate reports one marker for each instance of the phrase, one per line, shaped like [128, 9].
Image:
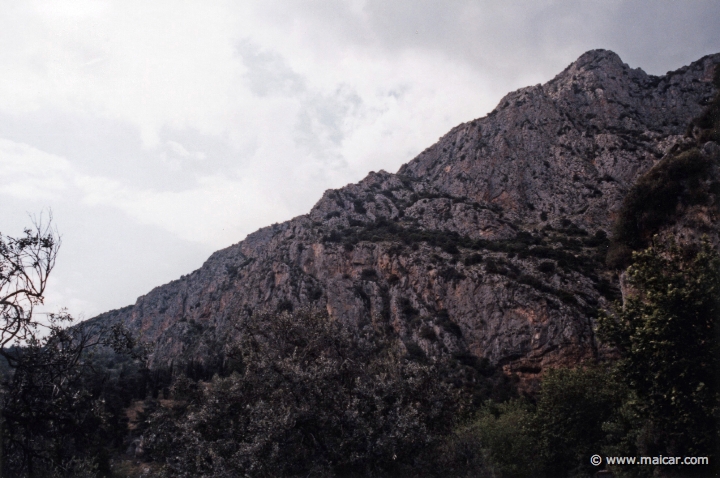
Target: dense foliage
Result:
[307, 396]
[668, 334]
[553, 436]
[61, 408]
[676, 181]
[299, 394]
[54, 420]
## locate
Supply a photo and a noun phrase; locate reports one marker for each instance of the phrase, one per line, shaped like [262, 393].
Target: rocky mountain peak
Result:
[491, 242]
[606, 61]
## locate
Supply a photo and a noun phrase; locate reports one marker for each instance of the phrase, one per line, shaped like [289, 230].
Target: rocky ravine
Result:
[490, 242]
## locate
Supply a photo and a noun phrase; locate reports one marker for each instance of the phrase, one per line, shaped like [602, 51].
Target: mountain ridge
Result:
[491, 242]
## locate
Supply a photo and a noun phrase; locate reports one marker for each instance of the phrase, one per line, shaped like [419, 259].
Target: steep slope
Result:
[491, 242]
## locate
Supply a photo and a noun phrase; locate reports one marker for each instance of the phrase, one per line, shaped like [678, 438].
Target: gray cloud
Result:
[323, 118]
[514, 37]
[268, 72]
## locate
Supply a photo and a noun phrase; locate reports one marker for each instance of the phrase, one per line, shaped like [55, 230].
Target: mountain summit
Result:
[490, 243]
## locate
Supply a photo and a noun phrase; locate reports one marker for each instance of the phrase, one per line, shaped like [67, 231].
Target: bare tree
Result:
[25, 265]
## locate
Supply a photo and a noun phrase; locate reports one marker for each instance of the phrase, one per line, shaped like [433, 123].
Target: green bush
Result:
[572, 407]
[554, 438]
[359, 207]
[473, 259]
[369, 275]
[667, 335]
[547, 267]
[501, 439]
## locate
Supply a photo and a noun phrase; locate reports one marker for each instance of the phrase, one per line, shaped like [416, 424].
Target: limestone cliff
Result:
[490, 242]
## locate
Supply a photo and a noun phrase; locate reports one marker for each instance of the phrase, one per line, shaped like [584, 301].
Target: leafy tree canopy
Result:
[667, 333]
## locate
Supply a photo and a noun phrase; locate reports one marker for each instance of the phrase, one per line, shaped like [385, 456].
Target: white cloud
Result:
[216, 212]
[179, 150]
[29, 173]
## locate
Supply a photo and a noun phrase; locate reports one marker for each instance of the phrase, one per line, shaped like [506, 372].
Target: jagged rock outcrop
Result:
[490, 242]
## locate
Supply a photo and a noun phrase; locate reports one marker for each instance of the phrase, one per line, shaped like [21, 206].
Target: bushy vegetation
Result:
[64, 405]
[51, 421]
[709, 122]
[551, 437]
[307, 396]
[660, 398]
[668, 334]
[580, 251]
[299, 394]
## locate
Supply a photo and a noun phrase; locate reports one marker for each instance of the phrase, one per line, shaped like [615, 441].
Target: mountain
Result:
[492, 242]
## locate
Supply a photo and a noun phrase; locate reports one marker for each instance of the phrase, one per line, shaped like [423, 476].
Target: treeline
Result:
[298, 394]
[309, 397]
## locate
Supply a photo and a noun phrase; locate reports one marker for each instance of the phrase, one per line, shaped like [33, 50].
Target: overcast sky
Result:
[159, 132]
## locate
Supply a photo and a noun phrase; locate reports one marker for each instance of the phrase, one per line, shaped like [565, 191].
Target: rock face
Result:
[490, 242]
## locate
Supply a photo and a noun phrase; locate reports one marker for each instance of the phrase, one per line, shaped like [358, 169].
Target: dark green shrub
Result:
[315, 294]
[415, 352]
[369, 275]
[598, 239]
[608, 290]
[444, 321]
[653, 200]
[427, 332]
[232, 270]
[285, 305]
[407, 308]
[491, 267]
[451, 274]
[334, 236]
[618, 256]
[675, 182]
[554, 438]
[450, 248]
[503, 438]
[473, 259]
[359, 206]
[481, 364]
[547, 267]
[572, 407]
[567, 297]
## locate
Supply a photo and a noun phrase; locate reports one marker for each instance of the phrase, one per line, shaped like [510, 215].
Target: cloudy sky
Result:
[159, 132]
